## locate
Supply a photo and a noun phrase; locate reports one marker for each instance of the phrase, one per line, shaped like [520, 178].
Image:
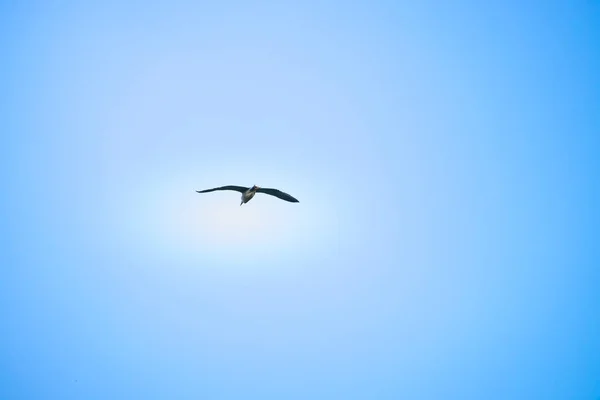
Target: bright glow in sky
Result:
[445, 155]
[180, 223]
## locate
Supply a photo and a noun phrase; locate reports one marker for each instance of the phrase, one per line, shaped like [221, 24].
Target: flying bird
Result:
[248, 193]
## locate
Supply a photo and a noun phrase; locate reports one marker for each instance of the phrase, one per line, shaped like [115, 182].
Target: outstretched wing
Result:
[278, 193]
[240, 189]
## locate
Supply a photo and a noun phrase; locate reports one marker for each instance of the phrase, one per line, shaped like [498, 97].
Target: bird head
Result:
[255, 187]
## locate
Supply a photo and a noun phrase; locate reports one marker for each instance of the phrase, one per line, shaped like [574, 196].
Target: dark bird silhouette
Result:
[248, 193]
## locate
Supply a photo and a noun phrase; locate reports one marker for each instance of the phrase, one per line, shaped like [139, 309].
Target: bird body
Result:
[248, 193]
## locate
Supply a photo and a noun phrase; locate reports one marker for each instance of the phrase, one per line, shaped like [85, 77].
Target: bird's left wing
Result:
[240, 189]
[278, 193]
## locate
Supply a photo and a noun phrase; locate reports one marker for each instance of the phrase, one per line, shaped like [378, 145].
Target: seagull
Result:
[248, 193]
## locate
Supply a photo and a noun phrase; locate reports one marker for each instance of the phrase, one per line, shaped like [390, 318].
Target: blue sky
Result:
[446, 161]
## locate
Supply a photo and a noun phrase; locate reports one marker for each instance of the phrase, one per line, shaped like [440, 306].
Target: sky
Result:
[446, 159]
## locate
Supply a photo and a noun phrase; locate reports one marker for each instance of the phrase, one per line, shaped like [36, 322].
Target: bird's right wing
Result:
[240, 189]
[279, 194]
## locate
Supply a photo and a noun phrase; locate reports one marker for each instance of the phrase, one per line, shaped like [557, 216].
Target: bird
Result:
[248, 193]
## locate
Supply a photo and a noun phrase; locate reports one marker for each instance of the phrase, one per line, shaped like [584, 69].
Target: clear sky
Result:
[446, 156]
